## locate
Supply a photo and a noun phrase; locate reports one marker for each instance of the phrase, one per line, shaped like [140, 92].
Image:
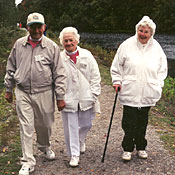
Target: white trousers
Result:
[76, 126]
[35, 111]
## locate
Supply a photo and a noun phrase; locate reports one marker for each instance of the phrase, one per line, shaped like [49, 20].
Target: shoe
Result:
[126, 156]
[142, 154]
[49, 154]
[26, 169]
[74, 161]
[82, 147]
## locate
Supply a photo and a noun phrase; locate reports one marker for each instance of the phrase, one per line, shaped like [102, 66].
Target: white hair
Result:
[69, 30]
[147, 21]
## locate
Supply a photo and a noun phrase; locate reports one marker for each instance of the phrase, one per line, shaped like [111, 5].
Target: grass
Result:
[164, 122]
[105, 77]
[9, 160]
[10, 146]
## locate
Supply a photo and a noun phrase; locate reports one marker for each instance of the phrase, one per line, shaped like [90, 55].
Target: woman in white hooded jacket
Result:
[138, 70]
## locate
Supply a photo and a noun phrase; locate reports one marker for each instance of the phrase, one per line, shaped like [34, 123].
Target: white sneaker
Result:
[49, 154]
[82, 147]
[142, 154]
[74, 161]
[26, 169]
[126, 156]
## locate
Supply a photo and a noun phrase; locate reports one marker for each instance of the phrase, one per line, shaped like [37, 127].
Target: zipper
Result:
[139, 108]
[30, 79]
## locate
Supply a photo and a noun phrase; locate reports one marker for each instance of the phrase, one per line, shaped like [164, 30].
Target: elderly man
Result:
[36, 69]
[138, 70]
[83, 81]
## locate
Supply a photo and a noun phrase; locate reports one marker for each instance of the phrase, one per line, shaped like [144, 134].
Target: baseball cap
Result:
[35, 18]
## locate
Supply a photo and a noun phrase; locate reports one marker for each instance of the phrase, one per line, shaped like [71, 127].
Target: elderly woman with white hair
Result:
[138, 70]
[83, 88]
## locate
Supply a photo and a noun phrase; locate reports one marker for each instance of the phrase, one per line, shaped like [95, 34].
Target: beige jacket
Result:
[36, 69]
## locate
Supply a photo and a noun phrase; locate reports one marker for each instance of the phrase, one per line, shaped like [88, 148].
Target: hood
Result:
[147, 21]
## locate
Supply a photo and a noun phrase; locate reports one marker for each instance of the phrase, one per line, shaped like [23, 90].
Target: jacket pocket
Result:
[128, 86]
[44, 73]
[151, 92]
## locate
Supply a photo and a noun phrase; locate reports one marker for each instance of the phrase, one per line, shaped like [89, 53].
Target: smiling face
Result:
[144, 33]
[69, 42]
[36, 30]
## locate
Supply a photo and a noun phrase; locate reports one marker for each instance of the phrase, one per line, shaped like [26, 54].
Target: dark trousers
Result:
[134, 124]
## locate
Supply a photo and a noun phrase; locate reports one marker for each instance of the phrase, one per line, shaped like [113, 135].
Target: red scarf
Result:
[73, 57]
[33, 43]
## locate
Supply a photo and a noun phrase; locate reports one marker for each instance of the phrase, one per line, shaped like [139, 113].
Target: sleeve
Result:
[163, 68]
[59, 75]
[117, 66]
[9, 81]
[95, 78]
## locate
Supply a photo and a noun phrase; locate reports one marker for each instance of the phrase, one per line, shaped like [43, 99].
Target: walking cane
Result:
[102, 160]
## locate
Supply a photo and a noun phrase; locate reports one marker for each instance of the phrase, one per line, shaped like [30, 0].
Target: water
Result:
[111, 41]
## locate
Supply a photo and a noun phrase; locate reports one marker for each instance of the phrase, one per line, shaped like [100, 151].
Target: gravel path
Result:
[159, 162]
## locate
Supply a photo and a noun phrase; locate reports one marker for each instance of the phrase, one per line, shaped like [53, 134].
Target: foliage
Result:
[103, 56]
[164, 15]
[8, 13]
[7, 37]
[9, 137]
[167, 104]
[169, 90]
[9, 130]
[9, 158]
[163, 115]
[91, 15]
[7, 120]
[95, 15]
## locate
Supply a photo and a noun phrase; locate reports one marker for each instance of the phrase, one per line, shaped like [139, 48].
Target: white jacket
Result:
[140, 70]
[83, 81]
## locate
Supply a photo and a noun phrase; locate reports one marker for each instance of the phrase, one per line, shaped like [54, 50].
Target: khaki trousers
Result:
[35, 112]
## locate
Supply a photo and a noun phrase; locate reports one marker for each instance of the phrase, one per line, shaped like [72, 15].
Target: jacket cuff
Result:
[116, 82]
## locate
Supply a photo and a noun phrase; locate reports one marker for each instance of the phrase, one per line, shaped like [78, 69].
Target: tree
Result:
[7, 13]
[164, 15]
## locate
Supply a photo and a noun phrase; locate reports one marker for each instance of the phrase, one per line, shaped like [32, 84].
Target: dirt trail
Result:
[159, 162]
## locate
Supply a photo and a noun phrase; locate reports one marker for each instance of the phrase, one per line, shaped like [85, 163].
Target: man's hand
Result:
[60, 104]
[9, 97]
[117, 87]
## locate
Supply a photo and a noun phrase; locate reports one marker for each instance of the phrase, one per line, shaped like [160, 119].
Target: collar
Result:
[67, 57]
[43, 41]
[71, 53]
[145, 46]
[35, 40]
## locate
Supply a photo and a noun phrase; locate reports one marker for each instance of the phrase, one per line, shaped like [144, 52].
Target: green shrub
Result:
[169, 90]
[103, 56]
[8, 36]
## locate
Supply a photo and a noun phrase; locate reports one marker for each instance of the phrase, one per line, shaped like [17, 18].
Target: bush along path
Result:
[159, 161]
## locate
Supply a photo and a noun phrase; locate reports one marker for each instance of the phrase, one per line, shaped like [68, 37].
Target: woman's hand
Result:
[117, 87]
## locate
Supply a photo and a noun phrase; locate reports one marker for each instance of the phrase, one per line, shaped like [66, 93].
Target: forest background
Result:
[92, 15]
